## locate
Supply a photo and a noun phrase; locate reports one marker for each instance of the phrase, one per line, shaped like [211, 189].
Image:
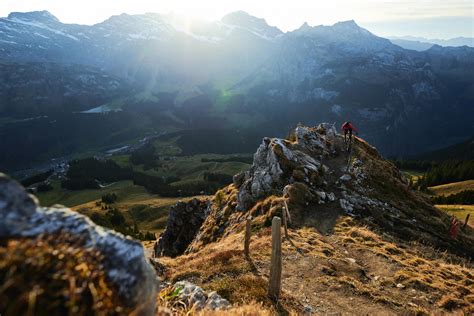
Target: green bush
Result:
[109, 198]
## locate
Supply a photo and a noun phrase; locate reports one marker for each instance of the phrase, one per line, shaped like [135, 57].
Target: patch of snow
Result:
[112, 151]
[101, 109]
[327, 95]
[336, 109]
[8, 42]
[42, 26]
[424, 88]
[41, 35]
[373, 114]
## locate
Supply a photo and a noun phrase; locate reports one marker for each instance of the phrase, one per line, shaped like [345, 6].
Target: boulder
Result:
[194, 296]
[123, 258]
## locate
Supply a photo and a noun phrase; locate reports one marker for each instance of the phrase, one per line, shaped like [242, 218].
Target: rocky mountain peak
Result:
[304, 27]
[244, 20]
[34, 16]
[349, 25]
[348, 34]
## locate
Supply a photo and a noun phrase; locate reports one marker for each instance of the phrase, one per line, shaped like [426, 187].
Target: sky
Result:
[425, 18]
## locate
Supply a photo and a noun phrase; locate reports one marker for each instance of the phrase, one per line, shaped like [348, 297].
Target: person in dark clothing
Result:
[348, 128]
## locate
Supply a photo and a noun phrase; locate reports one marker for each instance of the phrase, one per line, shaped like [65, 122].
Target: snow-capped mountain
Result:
[259, 27]
[253, 73]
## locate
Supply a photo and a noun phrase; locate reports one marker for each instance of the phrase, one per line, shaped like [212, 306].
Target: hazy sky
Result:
[427, 18]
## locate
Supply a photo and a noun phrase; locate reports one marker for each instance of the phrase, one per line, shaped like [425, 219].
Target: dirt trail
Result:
[357, 271]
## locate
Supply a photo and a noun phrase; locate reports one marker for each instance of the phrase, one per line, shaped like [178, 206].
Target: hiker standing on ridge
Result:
[347, 128]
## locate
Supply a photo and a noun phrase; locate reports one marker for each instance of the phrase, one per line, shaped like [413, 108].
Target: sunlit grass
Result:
[452, 188]
[460, 211]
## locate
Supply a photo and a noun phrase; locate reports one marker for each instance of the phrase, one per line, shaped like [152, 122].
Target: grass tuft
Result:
[55, 275]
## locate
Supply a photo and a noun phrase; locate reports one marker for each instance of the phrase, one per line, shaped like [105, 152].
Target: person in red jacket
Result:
[348, 128]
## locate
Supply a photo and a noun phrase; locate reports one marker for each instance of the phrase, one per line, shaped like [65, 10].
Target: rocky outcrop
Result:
[194, 296]
[184, 222]
[123, 258]
[279, 162]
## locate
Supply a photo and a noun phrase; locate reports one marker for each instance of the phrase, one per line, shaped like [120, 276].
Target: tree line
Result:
[88, 173]
[437, 173]
[447, 172]
[464, 197]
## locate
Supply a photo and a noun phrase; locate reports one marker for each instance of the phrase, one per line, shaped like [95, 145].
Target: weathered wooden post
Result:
[275, 267]
[466, 221]
[288, 216]
[285, 221]
[247, 237]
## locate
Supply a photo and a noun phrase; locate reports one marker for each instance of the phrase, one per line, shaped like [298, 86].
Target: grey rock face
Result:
[184, 222]
[276, 163]
[238, 179]
[345, 177]
[193, 295]
[124, 259]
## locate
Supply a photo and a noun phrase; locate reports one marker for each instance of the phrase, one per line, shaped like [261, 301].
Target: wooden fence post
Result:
[247, 237]
[275, 267]
[466, 221]
[288, 216]
[285, 221]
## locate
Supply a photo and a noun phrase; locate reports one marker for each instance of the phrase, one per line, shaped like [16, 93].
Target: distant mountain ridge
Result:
[240, 72]
[460, 151]
[421, 44]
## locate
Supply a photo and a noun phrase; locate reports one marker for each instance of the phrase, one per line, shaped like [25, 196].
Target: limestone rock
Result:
[345, 178]
[346, 206]
[215, 301]
[124, 258]
[279, 162]
[238, 179]
[194, 296]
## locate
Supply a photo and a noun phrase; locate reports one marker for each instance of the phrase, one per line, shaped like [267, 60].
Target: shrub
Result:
[109, 198]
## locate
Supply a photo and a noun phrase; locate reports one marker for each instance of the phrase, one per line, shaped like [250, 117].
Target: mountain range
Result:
[421, 43]
[132, 75]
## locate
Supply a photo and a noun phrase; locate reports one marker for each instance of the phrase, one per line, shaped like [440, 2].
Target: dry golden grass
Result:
[159, 205]
[251, 309]
[452, 188]
[354, 265]
[52, 276]
[420, 269]
[222, 267]
[460, 211]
